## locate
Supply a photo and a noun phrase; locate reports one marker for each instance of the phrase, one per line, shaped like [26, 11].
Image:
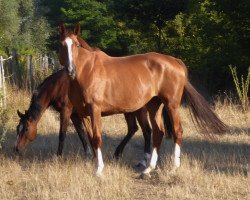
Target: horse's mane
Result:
[85, 45]
[35, 108]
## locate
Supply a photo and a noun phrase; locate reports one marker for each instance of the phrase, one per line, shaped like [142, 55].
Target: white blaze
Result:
[69, 43]
[20, 128]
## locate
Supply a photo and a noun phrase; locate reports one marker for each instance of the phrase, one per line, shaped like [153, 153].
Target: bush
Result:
[241, 87]
[4, 117]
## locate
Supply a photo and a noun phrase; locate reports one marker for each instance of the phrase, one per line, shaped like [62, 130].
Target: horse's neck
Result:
[39, 105]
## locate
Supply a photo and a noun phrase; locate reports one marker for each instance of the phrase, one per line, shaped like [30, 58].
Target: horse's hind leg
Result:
[64, 121]
[177, 133]
[142, 119]
[155, 111]
[132, 128]
[173, 107]
[167, 124]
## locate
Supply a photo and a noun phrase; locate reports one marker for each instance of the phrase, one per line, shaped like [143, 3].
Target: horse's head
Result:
[26, 131]
[68, 51]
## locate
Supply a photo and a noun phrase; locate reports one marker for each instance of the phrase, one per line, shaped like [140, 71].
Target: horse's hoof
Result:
[145, 176]
[173, 171]
[99, 174]
[117, 156]
[140, 166]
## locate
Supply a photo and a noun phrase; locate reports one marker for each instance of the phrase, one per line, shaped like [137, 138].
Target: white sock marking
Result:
[100, 164]
[152, 163]
[177, 154]
[154, 158]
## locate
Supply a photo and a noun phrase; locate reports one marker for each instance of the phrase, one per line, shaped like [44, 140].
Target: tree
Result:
[22, 26]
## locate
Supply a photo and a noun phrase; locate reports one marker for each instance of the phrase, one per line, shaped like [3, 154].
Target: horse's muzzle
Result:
[71, 72]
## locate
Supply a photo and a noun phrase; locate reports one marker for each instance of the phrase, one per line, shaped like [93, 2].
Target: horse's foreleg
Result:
[97, 140]
[132, 128]
[81, 133]
[64, 122]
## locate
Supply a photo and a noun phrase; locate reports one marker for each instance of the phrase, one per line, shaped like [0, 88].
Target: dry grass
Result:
[210, 169]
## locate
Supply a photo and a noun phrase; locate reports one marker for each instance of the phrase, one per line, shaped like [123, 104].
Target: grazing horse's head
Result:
[26, 131]
[68, 50]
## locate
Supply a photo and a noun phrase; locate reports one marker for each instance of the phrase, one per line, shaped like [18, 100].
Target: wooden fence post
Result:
[14, 66]
[2, 84]
[45, 64]
[30, 80]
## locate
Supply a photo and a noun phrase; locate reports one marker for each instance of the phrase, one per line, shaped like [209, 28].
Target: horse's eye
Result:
[78, 45]
[26, 129]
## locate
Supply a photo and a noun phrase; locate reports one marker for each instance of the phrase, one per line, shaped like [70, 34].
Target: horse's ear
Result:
[62, 29]
[27, 115]
[77, 29]
[20, 114]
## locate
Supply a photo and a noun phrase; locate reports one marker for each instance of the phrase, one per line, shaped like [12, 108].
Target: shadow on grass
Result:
[221, 157]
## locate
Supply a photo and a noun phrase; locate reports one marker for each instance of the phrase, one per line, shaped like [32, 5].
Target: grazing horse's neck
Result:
[40, 103]
[35, 109]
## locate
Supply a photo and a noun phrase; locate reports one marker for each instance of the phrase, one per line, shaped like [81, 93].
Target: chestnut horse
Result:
[54, 92]
[101, 84]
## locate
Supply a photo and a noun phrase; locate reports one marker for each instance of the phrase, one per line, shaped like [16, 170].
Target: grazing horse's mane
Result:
[35, 107]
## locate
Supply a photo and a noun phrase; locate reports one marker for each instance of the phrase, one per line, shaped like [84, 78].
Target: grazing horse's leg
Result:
[97, 139]
[88, 126]
[132, 128]
[142, 118]
[64, 122]
[155, 112]
[80, 130]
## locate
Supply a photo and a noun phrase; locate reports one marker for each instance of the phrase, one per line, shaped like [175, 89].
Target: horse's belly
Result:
[122, 103]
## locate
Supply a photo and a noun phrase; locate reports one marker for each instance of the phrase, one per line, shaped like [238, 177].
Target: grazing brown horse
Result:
[54, 92]
[101, 84]
[51, 92]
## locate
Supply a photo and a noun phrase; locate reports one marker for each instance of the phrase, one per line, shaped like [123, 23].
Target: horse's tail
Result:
[202, 114]
[167, 124]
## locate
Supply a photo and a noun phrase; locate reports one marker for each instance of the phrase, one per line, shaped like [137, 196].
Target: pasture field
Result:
[210, 169]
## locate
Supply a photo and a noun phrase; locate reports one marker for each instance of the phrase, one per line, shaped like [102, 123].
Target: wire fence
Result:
[25, 71]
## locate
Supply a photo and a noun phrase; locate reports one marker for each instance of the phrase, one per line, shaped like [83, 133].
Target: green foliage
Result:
[9, 21]
[241, 87]
[208, 35]
[22, 26]
[97, 23]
